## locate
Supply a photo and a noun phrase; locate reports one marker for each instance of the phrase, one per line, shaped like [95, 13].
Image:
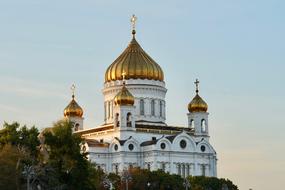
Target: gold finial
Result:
[197, 85]
[133, 21]
[73, 90]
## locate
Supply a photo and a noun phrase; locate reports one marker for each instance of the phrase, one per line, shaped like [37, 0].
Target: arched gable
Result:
[180, 140]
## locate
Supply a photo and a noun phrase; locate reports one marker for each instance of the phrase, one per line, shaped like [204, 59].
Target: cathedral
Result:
[134, 132]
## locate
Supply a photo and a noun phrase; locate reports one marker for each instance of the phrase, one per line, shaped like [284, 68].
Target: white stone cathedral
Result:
[134, 133]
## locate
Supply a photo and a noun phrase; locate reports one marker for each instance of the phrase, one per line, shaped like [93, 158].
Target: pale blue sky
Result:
[235, 48]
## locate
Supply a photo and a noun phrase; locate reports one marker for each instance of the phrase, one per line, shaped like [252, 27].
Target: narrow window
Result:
[141, 107]
[129, 120]
[178, 169]
[153, 107]
[203, 170]
[203, 125]
[192, 124]
[160, 108]
[116, 169]
[163, 167]
[105, 110]
[112, 108]
[188, 170]
[148, 166]
[117, 122]
[109, 110]
[183, 170]
[76, 128]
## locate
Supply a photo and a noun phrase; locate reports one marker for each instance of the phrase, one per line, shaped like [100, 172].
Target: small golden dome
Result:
[124, 97]
[73, 109]
[136, 63]
[197, 104]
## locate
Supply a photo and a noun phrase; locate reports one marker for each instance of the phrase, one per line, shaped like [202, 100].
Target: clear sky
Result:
[235, 48]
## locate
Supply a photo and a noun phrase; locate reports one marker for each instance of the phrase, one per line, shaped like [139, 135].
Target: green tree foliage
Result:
[141, 179]
[210, 183]
[23, 137]
[10, 167]
[66, 165]
[68, 159]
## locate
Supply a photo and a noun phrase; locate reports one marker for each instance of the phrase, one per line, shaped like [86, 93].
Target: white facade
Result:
[146, 141]
[138, 136]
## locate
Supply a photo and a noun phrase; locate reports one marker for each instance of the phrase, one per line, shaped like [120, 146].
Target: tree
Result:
[20, 136]
[142, 179]
[10, 167]
[211, 183]
[67, 158]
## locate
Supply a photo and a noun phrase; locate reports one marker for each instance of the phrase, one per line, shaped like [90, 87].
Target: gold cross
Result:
[73, 90]
[197, 85]
[133, 21]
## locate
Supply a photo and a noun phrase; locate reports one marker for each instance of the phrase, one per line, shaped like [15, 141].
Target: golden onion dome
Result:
[73, 109]
[124, 97]
[197, 104]
[136, 63]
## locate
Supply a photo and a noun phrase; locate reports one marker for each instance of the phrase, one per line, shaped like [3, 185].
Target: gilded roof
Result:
[136, 63]
[197, 105]
[124, 97]
[73, 109]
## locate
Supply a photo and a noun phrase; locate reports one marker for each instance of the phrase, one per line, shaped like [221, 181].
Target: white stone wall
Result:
[191, 160]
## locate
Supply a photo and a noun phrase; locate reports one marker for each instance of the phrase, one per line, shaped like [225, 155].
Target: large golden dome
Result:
[73, 109]
[124, 97]
[197, 104]
[136, 63]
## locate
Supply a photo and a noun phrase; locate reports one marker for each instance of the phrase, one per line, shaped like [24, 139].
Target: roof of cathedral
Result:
[73, 109]
[95, 143]
[136, 63]
[197, 104]
[124, 97]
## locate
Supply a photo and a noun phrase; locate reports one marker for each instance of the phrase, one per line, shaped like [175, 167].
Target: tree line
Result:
[55, 160]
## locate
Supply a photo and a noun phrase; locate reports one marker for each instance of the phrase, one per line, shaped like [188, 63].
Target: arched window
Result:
[141, 107]
[163, 167]
[112, 108]
[179, 169]
[116, 169]
[105, 111]
[109, 110]
[129, 120]
[117, 122]
[160, 108]
[183, 170]
[203, 170]
[203, 125]
[76, 127]
[188, 170]
[192, 125]
[148, 166]
[153, 107]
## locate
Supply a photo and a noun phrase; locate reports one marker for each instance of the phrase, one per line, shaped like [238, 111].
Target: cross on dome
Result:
[133, 21]
[197, 85]
[73, 90]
